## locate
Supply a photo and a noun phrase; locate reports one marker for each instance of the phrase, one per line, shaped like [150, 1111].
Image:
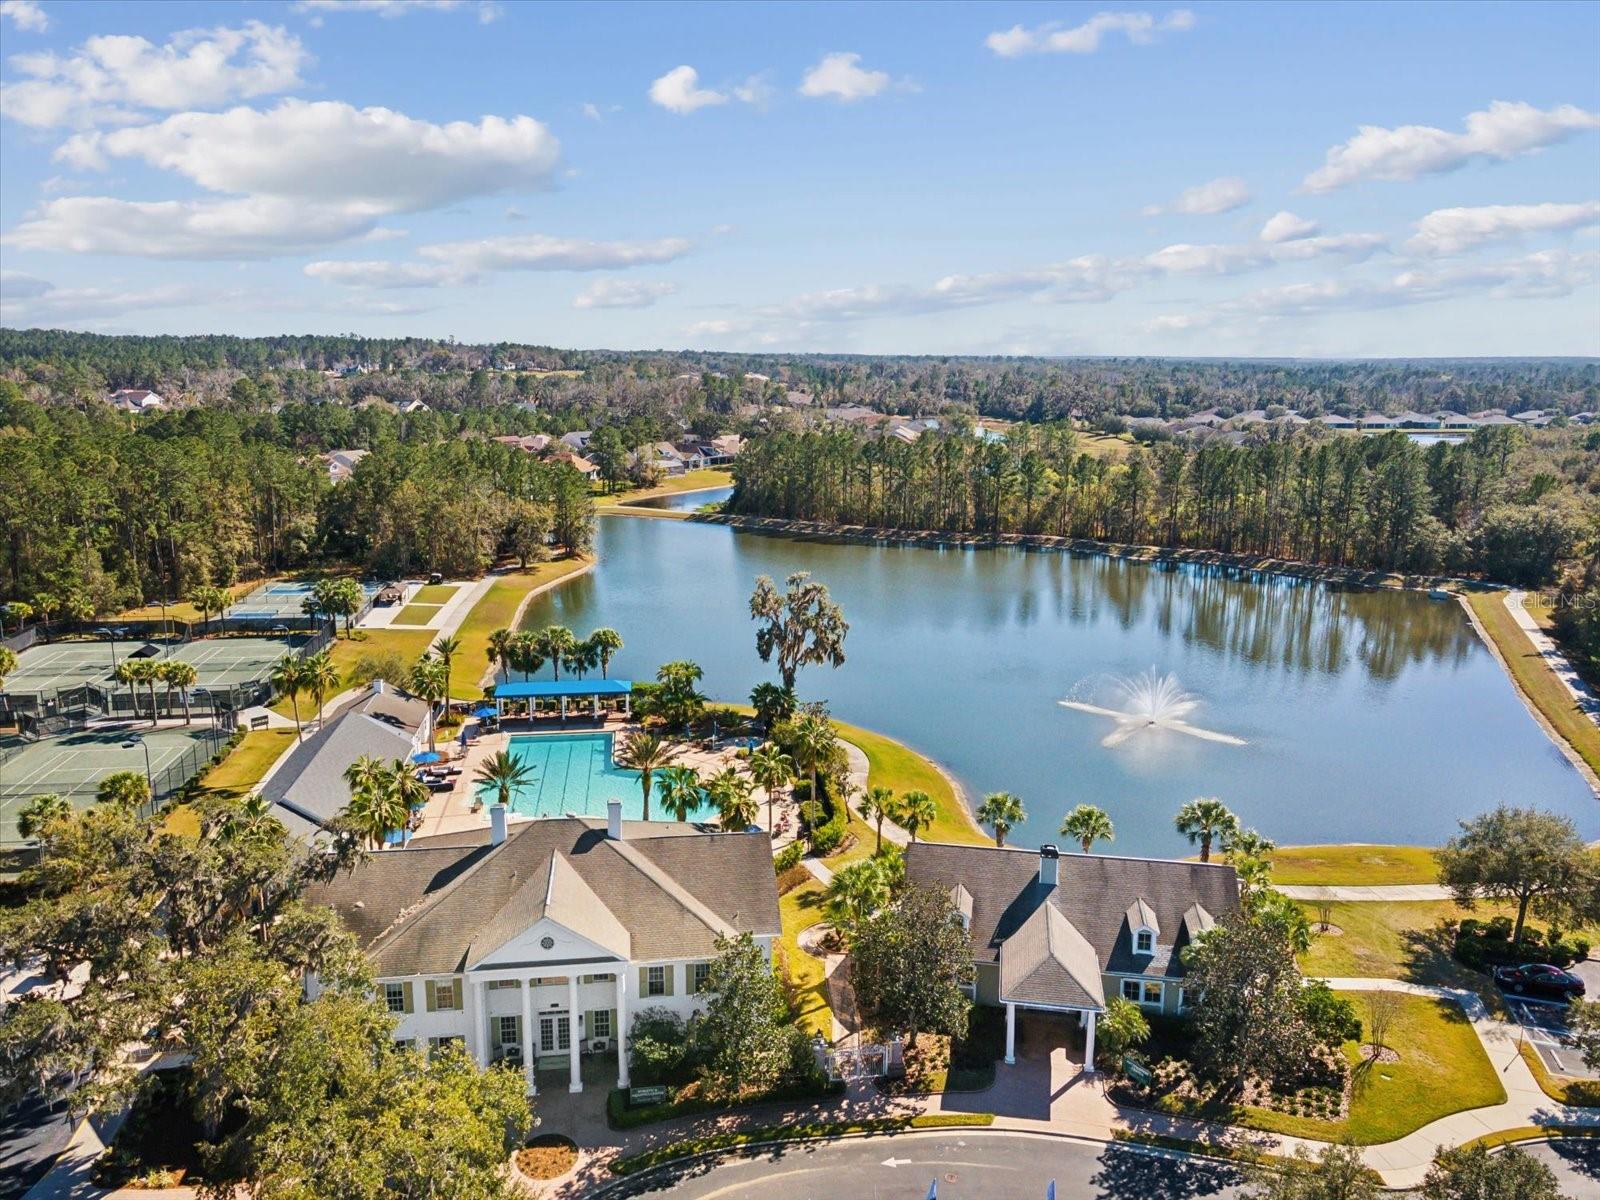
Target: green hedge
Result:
[801, 1131]
[620, 1116]
[1485, 944]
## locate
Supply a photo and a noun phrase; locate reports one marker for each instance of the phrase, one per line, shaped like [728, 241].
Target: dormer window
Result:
[1144, 942]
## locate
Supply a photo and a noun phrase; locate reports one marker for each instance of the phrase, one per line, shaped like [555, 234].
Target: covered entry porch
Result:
[1067, 1026]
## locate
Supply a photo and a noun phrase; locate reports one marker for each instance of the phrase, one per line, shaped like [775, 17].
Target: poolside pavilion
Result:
[565, 692]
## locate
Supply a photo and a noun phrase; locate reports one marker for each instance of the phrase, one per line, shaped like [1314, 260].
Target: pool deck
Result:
[452, 812]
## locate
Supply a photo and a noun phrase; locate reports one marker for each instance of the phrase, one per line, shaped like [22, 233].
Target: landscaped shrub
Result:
[1485, 945]
[788, 858]
[660, 1049]
[1332, 1017]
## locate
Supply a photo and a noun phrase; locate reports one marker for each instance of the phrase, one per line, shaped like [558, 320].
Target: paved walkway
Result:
[1581, 692]
[1391, 892]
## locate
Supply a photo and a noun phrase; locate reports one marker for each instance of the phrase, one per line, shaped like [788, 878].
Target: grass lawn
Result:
[409, 644]
[1535, 679]
[417, 614]
[706, 477]
[1442, 1070]
[1563, 1089]
[1353, 865]
[896, 766]
[1113, 447]
[1382, 940]
[235, 775]
[800, 909]
[183, 610]
[497, 609]
[435, 593]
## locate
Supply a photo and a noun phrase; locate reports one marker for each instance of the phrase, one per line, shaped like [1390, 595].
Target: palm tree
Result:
[772, 702]
[446, 648]
[772, 769]
[380, 799]
[1205, 818]
[731, 793]
[877, 806]
[131, 672]
[1002, 812]
[430, 680]
[409, 789]
[8, 664]
[680, 792]
[916, 811]
[606, 643]
[646, 753]
[41, 813]
[554, 642]
[182, 676]
[288, 678]
[505, 773]
[321, 677]
[1088, 825]
[581, 659]
[854, 893]
[499, 650]
[124, 789]
[46, 604]
[814, 744]
[525, 655]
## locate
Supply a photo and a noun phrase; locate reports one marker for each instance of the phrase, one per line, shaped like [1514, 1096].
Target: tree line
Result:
[1499, 503]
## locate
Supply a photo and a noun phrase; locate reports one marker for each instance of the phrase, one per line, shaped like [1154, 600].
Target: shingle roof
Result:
[1094, 892]
[1048, 961]
[435, 909]
[310, 782]
[1141, 915]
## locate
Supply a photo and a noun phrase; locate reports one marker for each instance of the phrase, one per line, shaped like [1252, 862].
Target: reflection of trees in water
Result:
[1300, 625]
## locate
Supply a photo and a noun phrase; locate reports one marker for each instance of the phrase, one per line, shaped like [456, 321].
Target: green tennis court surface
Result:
[220, 661]
[281, 599]
[74, 765]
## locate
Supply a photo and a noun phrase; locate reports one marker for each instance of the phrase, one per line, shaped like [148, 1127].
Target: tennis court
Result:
[281, 599]
[53, 667]
[220, 661]
[74, 765]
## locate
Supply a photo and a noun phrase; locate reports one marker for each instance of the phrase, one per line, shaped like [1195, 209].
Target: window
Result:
[655, 981]
[508, 1031]
[1152, 993]
[1130, 990]
[1144, 942]
[1183, 999]
[394, 995]
[436, 1044]
[496, 985]
[699, 976]
[1142, 991]
[600, 1023]
[446, 996]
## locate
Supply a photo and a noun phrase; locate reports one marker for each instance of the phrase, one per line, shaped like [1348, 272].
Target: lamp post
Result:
[111, 634]
[149, 776]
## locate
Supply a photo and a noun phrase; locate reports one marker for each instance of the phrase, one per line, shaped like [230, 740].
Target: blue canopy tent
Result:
[592, 690]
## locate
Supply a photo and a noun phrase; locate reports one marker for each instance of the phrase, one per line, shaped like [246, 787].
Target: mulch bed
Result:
[548, 1156]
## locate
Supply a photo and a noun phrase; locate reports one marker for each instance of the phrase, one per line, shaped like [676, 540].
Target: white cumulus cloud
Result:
[1055, 38]
[256, 227]
[374, 160]
[1284, 226]
[450, 264]
[841, 77]
[487, 10]
[111, 78]
[679, 91]
[622, 293]
[1207, 199]
[1504, 130]
[1452, 230]
[25, 15]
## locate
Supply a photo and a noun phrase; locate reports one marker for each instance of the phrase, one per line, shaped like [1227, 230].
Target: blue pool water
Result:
[574, 773]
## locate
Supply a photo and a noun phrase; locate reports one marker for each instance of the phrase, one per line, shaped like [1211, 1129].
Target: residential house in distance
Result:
[1493, 416]
[1377, 420]
[1454, 420]
[414, 406]
[1054, 933]
[1416, 420]
[534, 944]
[307, 788]
[137, 400]
[577, 440]
[1535, 417]
[533, 443]
[342, 463]
[1335, 421]
[583, 466]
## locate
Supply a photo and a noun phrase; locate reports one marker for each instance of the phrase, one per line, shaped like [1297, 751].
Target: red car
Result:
[1539, 979]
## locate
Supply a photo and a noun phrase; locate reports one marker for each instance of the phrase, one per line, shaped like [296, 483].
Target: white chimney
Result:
[1049, 860]
[497, 824]
[614, 820]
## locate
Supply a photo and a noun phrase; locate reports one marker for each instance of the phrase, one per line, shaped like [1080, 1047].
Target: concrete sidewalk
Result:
[1391, 892]
[1582, 694]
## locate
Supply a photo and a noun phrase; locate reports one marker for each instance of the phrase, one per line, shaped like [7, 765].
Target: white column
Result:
[527, 1036]
[563, 710]
[594, 701]
[627, 704]
[620, 1028]
[1088, 1047]
[477, 1034]
[1011, 1035]
[575, 1084]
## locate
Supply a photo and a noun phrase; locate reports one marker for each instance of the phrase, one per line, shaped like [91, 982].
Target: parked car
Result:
[1539, 979]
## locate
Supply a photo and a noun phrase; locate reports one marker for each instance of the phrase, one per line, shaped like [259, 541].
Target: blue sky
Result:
[1216, 179]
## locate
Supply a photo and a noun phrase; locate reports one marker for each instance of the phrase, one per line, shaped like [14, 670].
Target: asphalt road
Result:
[994, 1166]
[970, 1166]
[31, 1136]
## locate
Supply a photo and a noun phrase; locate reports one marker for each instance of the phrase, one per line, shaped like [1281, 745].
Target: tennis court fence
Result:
[48, 714]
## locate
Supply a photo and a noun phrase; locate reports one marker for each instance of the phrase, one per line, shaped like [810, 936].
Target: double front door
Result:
[555, 1033]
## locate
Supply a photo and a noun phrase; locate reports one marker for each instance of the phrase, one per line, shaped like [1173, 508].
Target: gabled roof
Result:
[962, 899]
[310, 783]
[1141, 916]
[667, 890]
[1196, 920]
[1047, 961]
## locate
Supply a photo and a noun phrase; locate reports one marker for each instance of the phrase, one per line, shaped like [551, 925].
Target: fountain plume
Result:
[1151, 701]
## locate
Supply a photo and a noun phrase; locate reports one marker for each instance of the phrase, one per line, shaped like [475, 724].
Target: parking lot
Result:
[1544, 1026]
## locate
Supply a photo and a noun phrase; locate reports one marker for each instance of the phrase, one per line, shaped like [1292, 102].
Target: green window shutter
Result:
[428, 996]
[644, 982]
[669, 972]
[406, 1005]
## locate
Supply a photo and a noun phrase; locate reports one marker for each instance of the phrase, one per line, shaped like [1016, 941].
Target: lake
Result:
[1365, 715]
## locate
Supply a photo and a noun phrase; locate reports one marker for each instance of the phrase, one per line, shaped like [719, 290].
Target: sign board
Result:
[640, 1096]
[1136, 1071]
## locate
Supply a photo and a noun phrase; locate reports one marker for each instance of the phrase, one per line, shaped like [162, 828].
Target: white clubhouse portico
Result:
[533, 945]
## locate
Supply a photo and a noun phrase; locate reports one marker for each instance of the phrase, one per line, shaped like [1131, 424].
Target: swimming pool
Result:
[574, 773]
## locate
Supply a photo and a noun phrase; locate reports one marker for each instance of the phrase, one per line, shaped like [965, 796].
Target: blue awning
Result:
[554, 689]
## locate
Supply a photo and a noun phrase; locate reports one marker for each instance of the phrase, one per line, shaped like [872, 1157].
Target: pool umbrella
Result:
[484, 713]
[423, 757]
